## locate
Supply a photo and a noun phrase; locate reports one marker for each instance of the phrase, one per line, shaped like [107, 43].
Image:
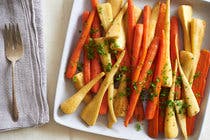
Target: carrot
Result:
[199, 85]
[161, 20]
[174, 33]
[150, 76]
[153, 125]
[162, 101]
[86, 70]
[94, 3]
[143, 52]
[140, 108]
[136, 44]
[153, 102]
[131, 25]
[95, 62]
[74, 58]
[138, 86]
[104, 105]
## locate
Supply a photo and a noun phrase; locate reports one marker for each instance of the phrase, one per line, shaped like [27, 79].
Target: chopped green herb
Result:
[90, 49]
[79, 66]
[122, 94]
[151, 96]
[170, 103]
[93, 31]
[197, 94]
[150, 72]
[178, 80]
[100, 49]
[108, 67]
[99, 10]
[124, 69]
[197, 74]
[158, 80]
[135, 85]
[74, 79]
[118, 77]
[153, 85]
[138, 127]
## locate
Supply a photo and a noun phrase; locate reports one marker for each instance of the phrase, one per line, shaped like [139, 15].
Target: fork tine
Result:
[18, 36]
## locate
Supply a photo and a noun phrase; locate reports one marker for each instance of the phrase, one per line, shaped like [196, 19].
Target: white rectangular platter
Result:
[65, 88]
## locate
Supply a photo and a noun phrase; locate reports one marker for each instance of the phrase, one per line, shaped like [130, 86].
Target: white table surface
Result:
[56, 17]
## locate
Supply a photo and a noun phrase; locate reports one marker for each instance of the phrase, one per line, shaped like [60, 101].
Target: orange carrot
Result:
[150, 76]
[153, 102]
[153, 125]
[104, 105]
[94, 3]
[138, 32]
[74, 59]
[143, 52]
[137, 87]
[174, 41]
[161, 20]
[131, 25]
[199, 85]
[95, 62]
[140, 108]
[86, 70]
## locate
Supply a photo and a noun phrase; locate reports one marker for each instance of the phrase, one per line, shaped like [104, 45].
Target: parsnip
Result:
[71, 104]
[121, 100]
[90, 112]
[117, 31]
[193, 107]
[116, 6]
[105, 57]
[111, 121]
[105, 15]
[106, 60]
[198, 28]
[185, 16]
[114, 30]
[167, 72]
[153, 22]
[187, 62]
[78, 81]
[181, 116]
[170, 125]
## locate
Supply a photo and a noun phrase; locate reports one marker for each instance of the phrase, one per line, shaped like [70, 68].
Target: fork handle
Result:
[14, 101]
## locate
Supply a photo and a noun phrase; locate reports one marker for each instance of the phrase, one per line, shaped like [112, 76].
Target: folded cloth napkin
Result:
[30, 72]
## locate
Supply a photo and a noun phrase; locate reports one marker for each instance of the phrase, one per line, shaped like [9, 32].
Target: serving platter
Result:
[65, 88]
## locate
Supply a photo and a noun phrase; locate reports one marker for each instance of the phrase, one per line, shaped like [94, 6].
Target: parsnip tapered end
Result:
[185, 16]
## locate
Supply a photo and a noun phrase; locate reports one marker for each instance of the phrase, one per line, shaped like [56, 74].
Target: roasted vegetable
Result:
[90, 112]
[71, 104]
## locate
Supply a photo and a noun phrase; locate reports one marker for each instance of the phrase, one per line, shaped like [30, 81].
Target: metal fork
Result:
[14, 51]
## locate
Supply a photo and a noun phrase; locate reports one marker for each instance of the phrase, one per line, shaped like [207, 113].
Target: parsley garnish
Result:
[138, 126]
[108, 67]
[79, 66]
[197, 74]
[150, 72]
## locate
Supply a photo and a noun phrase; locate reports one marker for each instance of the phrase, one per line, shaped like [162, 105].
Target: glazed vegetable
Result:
[181, 116]
[197, 32]
[170, 118]
[185, 16]
[105, 14]
[153, 22]
[157, 80]
[74, 59]
[153, 125]
[117, 32]
[199, 85]
[143, 75]
[121, 100]
[187, 62]
[167, 74]
[90, 112]
[78, 81]
[131, 25]
[71, 104]
[116, 6]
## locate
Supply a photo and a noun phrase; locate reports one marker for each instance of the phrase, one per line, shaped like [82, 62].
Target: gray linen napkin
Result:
[30, 71]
